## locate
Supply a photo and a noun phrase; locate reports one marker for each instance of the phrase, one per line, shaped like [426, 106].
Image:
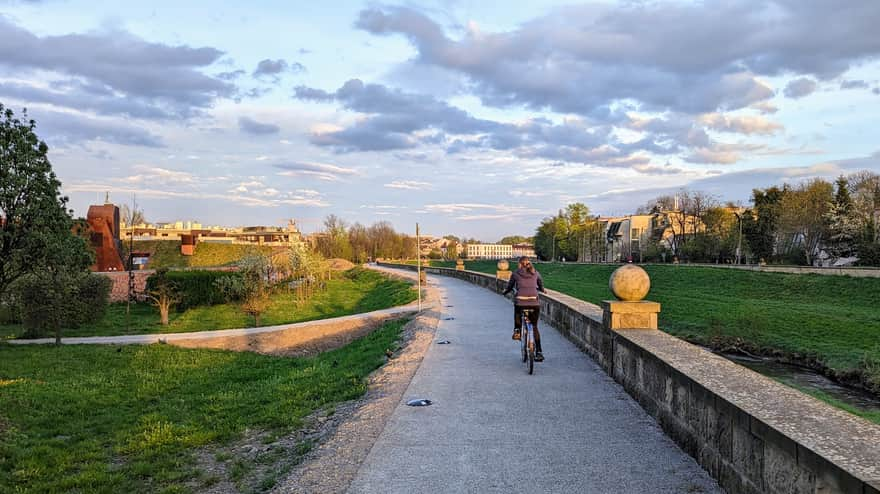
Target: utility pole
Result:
[419, 266]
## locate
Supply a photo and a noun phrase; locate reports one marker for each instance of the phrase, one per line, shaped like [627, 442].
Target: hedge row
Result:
[195, 287]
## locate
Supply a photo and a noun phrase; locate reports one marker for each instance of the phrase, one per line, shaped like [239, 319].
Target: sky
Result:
[472, 118]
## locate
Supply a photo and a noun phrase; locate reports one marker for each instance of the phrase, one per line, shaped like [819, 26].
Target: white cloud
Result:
[409, 185]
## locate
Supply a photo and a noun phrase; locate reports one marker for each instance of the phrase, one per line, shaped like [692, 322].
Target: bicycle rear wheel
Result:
[531, 358]
[524, 345]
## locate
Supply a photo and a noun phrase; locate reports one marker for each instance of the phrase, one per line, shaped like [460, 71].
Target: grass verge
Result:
[132, 419]
[355, 291]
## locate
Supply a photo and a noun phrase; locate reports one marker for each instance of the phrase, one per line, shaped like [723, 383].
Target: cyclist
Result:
[527, 282]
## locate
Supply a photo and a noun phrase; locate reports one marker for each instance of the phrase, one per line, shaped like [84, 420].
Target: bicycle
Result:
[528, 340]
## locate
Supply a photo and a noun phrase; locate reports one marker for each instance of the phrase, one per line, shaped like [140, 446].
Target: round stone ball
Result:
[503, 265]
[629, 283]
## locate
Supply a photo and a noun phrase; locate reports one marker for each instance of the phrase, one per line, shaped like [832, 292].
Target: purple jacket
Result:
[527, 286]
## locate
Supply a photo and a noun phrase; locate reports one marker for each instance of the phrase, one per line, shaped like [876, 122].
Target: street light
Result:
[739, 242]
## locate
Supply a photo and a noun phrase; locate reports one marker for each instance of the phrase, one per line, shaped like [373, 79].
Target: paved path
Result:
[494, 428]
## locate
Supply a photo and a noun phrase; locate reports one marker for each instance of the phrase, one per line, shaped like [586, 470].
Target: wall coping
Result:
[816, 431]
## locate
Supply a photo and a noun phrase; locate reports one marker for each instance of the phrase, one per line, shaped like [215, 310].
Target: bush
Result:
[194, 287]
[49, 304]
[869, 254]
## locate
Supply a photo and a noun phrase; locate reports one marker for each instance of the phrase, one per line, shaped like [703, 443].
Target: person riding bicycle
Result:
[527, 282]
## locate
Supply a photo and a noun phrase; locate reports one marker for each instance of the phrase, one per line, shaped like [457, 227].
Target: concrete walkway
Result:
[494, 428]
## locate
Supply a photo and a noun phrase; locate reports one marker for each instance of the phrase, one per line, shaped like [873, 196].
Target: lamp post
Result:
[739, 242]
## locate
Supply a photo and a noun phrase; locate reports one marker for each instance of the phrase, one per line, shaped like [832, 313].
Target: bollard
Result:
[630, 283]
[503, 272]
[459, 265]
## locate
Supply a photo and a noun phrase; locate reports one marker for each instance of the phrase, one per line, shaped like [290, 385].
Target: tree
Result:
[760, 224]
[164, 294]
[132, 215]
[803, 216]
[62, 293]
[843, 223]
[250, 287]
[513, 240]
[34, 220]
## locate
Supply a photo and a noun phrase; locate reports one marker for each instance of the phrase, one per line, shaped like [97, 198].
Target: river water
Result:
[809, 379]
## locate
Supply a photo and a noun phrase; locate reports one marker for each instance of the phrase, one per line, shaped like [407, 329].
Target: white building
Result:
[520, 250]
[489, 251]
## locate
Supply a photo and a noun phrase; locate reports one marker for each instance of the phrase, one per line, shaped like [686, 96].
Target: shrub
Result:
[52, 303]
[194, 287]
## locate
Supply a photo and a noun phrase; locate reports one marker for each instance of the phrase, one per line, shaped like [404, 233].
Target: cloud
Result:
[75, 94]
[251, 126]
[321, 171]
[273, 199]
[408, 184]
[396, 120]
[68, 129]
[765, 107]
[127, 67]
[746, 124]
[666, 169]
[799, 88]
[270, 67]
[577, 59]
[273, 69]
[394, 116]
[854, 84]
[480, 211]
[154, 175]
[231, 75]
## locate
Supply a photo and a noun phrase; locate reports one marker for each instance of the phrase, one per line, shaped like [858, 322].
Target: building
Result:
[191, 232]
[104, 237]
[489, 251]
[520, 250]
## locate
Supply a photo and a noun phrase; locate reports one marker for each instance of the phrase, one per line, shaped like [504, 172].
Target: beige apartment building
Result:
[489, 251]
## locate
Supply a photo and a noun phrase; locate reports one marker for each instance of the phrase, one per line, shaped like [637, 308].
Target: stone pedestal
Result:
[503, 272]
[642, 314]
[629, 283]
[459, 265]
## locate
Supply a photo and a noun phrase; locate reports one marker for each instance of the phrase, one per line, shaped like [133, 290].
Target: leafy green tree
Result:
[34, 220]
[250, 288]
[803, 217]
[513, 240]
[760, 223]
[164, 294]
[62, 293]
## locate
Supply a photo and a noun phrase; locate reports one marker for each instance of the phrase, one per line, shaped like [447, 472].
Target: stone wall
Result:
[119, 289]
[749, 432]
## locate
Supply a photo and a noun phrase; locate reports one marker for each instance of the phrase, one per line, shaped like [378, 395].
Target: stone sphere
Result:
[629, 283]
[503, 265]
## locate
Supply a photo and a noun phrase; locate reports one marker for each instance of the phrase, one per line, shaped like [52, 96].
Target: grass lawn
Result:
[94, 418]
[355, 291]
[834, 320]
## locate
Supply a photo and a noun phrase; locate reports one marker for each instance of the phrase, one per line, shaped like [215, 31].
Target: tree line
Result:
[809, 223]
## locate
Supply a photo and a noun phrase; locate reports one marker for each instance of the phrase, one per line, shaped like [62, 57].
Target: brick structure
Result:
[104, 224]
[119, 288]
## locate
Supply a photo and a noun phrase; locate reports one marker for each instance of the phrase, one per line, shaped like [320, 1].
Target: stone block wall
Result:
[119, 289]
[750, 433]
